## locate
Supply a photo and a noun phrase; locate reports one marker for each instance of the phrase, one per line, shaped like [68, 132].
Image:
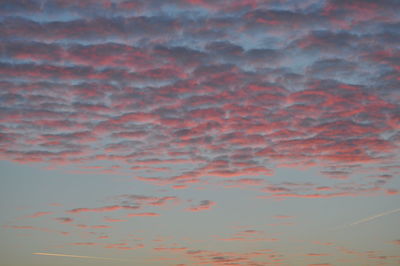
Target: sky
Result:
[199, 132]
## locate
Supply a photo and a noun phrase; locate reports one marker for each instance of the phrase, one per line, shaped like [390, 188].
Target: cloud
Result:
[310, 190]
[85, 226]
[142, 200]
[316, 254]
[39, 214]
[248, 235]
[113, 220]
[124, 246]
[34, 228]
[396, 242]
[151, 214]
[64, 220]
[313, 136]
[103, 209]
[192, 93]
[170, 249]
[283, 217]
[84, 244]
[223, 258]
[244, 182]
[203, 205]
[120, 246]
[323, 243]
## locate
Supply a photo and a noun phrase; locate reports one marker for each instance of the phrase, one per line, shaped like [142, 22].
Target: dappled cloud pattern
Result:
[186, 94]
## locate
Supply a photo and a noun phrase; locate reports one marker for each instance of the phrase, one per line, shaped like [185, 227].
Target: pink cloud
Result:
[203, 205]
[196, 100]
[103, 209]
[396, 242]
[310, 196]
[179, 186]
[244, 239]
[233, 258]
[143, 214]
[323, 243]
[243, 182]
[283, 217]
[39, 214]
[100, 226]
[142, 201]
[84, 244]
[93, 226]
[112, 220]
[392, 191]
[123, 246]
[317, 254]
[64, 220]
[170, 249]
[48, 230]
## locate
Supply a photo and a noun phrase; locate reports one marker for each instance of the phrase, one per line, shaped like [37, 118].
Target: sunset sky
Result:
[199, 132]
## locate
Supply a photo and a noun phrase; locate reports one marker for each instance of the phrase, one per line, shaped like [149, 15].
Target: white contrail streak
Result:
[75, 256]
[374, 217]
[367, 219]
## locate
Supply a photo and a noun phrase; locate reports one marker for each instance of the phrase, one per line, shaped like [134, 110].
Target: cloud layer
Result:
[228, 89]
[197, 94]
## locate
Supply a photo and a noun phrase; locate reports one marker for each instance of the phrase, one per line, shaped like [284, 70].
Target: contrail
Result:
[75, 256]
[374, 217]
[367, 219]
